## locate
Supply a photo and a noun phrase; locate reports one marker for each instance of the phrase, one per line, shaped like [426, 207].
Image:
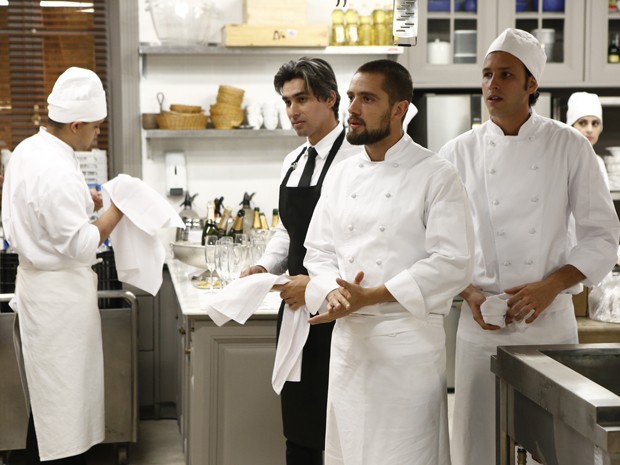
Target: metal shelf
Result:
[217, 133]
[205, 49]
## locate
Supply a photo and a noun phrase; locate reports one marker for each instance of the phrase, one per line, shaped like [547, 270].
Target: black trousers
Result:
[32, 451]
[300, 455]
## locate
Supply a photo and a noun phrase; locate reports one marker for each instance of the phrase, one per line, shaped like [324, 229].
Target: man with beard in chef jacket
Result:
[46, 206]
[524, 175]
[309, 90]
[389, 245]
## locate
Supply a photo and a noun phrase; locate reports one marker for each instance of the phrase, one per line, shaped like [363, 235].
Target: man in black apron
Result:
[309, 90]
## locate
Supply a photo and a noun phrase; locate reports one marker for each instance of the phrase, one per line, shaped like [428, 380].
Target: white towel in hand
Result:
[138, 253]
[241, 298]
[494, 310]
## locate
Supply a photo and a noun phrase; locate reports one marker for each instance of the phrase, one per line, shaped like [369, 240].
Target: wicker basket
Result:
[230, 95]
[181, 121]
[185, 108]
[226, 116]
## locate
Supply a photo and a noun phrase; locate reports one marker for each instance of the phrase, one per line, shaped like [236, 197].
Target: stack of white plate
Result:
[612, 163]
[94, 165]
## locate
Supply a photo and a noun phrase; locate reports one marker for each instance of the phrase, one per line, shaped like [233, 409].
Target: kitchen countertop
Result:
[190, 297]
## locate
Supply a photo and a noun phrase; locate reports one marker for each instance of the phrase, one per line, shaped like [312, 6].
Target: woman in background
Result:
[585, 114]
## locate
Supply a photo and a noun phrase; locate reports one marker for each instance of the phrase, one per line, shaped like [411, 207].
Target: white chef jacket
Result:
[406, 223]
[523, 190]
[275, 256]
[46, 206]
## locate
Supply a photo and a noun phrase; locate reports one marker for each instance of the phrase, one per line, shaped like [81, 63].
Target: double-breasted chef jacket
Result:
[405, 222]
[304, 402]
[46, 206]
[523, 190]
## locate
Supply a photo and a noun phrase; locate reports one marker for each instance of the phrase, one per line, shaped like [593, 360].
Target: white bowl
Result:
[190, 253]
[615, 151]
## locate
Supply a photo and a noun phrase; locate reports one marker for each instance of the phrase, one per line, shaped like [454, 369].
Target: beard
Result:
[367, 137]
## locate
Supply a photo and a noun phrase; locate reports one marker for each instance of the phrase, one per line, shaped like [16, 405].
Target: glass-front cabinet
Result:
[453, 35]
[559, 25]
[581, 39]
[603, 52]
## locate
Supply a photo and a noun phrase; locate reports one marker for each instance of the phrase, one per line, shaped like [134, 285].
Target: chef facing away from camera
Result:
[46, 210]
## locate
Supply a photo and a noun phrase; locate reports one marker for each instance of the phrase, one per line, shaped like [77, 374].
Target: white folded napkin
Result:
[494, 310]
[138, 253]
[241, 298]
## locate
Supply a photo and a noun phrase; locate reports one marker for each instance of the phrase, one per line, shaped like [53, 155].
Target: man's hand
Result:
[529, 298]
[294, 292]
[252, 270]
[344, 300]
[535, 297]
[475, 299]
[97, 199]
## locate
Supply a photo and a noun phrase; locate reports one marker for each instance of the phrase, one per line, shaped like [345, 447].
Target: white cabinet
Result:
[231, 415]
[576, 35]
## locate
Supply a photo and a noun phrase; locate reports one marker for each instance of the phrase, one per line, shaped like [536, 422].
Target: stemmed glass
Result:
[210, 243]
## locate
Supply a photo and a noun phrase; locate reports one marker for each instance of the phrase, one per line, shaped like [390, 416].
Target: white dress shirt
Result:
[275, 257]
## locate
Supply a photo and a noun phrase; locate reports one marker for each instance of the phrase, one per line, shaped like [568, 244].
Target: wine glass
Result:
[210, 243]
[222, 253]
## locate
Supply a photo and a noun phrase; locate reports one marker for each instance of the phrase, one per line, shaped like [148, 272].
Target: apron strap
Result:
[330, 157]
[293, 166]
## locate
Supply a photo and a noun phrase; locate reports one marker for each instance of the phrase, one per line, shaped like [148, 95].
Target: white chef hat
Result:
[77, 95]
[524, 46]
[582, 104]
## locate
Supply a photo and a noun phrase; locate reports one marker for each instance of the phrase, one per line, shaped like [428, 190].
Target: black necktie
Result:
[306, 176]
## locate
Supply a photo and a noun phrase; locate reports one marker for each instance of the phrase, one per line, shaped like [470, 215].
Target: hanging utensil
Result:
[160, 100]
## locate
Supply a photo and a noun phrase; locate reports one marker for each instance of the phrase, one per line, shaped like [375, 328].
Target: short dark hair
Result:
[56, 124]
[533, 97]
[318, 77]
[397, 82]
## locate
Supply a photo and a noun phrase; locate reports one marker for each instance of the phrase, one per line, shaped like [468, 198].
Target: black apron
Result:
[304, 403]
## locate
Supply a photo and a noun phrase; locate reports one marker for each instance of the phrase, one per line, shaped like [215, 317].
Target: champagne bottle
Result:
[210, 228]
[256, 220]
[223, 224]
[237, 227]
[275, 218]
[263, 221]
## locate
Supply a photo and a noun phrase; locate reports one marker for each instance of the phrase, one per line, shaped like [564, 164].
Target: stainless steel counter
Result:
[561, 403]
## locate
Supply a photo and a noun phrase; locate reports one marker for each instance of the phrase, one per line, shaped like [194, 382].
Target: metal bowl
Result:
[615, 151]
[190, 253]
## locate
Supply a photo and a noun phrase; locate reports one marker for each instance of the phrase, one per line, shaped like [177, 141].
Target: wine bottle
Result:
[222, 226]
[237, 227]
[275, 218]
[613, 53]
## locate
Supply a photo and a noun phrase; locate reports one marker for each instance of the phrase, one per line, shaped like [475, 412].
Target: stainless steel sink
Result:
[560, 402]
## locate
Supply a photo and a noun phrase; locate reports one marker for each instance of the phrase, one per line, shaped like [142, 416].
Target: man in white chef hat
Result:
[525, 174]
[46, 206]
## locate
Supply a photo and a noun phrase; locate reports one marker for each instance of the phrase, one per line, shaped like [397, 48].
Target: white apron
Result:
[61, 345]
[473, 426]
[387, 392]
